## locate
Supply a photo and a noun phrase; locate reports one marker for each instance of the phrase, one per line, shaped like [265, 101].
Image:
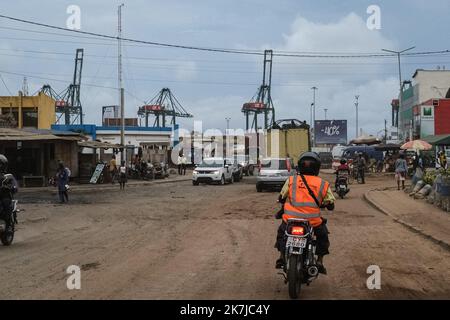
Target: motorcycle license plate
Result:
[342, 186]
[296, 242]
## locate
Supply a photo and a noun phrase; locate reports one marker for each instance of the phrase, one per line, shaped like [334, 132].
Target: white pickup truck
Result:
[213, 170]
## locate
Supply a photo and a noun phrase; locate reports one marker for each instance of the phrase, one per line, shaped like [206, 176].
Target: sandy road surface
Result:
[177, 241]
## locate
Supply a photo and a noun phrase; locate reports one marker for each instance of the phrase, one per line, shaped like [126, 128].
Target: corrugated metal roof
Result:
[440, 140]
[7, 134]
[99, 145]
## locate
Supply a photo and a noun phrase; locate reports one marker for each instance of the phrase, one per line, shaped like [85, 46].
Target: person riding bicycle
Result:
[343, 169]
[303, 195]
[8, 186]
[361, 167]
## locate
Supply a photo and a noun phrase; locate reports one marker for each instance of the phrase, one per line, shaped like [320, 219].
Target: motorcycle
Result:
[161, 170]
[342, 186]
[7, 237]
[148, 172]
[299, 256]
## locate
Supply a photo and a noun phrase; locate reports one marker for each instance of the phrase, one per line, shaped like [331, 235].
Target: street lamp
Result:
[314, 112]
[228, 123]
[356, 105]
[398, 53]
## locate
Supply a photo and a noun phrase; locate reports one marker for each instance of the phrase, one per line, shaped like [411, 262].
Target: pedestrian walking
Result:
[113, 168]
[183, 164]
[62, 177]
[122, 175]
[401, 167]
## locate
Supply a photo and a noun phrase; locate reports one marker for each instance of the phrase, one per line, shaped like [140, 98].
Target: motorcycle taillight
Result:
[297, 231]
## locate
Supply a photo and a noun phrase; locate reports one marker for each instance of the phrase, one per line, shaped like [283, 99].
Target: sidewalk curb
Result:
[104, 187]
[407, 225]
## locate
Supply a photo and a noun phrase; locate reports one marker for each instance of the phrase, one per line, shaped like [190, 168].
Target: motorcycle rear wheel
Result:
[7, 238]
[294, 276]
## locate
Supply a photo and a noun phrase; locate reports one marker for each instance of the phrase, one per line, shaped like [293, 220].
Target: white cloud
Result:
[213, 111]
[349, 34]
[185, 70]
[338, 79]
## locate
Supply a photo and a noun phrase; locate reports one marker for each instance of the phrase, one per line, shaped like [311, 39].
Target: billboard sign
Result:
[330, 131]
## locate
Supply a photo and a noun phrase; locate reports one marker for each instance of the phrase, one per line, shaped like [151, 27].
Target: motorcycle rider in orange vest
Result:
[299, 203]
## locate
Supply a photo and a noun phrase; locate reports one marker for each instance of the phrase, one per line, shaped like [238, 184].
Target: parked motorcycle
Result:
[7, 237]
[142, 170]
[161, 170]
[300, 267]
[148, 172]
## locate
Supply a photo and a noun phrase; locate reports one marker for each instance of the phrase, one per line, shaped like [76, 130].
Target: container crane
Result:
[67, 103]
[261, 103]
[163, 105]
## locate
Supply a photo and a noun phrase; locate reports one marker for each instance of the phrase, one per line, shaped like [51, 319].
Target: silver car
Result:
[273, 173]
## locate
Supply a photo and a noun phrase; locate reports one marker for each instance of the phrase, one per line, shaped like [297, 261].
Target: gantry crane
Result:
[261, 103]
[163, 105]
[67, 103]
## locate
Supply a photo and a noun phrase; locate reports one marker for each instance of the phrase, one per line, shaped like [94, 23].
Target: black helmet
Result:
[343, 161]
[309, 164]
[3, 163]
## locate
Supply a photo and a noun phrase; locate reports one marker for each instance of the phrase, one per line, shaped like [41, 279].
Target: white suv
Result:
[213, 170]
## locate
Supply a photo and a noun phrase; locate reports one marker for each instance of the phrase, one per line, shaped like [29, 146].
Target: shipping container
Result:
[290, 143]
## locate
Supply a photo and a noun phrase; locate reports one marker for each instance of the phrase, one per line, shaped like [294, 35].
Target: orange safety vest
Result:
[300, 205]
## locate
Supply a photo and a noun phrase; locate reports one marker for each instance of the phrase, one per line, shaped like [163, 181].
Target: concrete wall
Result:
[431, 84]
[426, 84]
[44, 104]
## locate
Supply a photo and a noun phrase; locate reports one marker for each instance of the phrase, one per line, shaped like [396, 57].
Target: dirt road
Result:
[178, 241]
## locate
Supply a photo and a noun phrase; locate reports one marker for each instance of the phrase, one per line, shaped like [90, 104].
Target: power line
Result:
[214, 61]
[248, 52]
[96, 76]
[319, 54]
[231, 51]
[52, 79]
[201, 69]
[293, 84]
[1, 77]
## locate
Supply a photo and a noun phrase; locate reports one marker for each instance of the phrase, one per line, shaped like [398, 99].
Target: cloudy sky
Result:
[213, 86]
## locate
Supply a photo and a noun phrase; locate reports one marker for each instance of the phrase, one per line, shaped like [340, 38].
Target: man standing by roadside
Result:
[62, 177]
[442, 160]
[112, 168]
[183, 164]
[180, 163]
[361, 165]
[401, 167]
[122, 175]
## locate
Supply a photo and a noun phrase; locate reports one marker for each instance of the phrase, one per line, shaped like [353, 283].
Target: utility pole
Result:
[385, 131]
[398, 53]
[228, 124]
[326, 113]
[121, 91]
[25, 86]
[314, 113]
[356, 105]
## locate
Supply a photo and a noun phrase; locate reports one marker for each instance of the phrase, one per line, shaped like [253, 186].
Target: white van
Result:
[337, 153]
